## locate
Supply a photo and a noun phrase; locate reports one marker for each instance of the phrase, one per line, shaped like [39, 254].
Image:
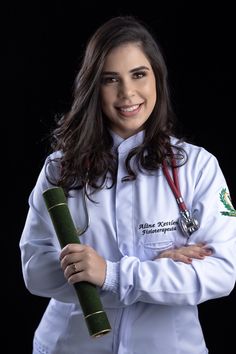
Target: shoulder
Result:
[56, 155]
[194, 152]
[52, 163]
[53, 158]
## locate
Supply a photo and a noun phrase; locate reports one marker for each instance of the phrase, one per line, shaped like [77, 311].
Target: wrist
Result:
[111, 282]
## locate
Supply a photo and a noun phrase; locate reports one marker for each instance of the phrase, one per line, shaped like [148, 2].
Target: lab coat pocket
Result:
[152, 245]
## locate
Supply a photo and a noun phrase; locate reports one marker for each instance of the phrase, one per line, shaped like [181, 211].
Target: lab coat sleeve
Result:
[164, 281]
[40, 249]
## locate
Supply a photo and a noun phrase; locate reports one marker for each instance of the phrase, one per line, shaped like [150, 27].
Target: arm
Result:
[165, 281]
[40, 250]
[83, 263]
[162, 280]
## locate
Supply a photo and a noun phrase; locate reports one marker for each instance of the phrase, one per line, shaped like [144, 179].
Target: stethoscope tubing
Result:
[187, 223]
[174, 183]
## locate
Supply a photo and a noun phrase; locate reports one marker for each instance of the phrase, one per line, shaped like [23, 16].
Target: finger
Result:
[70, 259]
[165, 254]
[196, 248]
[202, 251]
[200, 244]
[182, 258]
[176, 256]
[77, 277]
[77, 272]
[71, 248]
[195, 253]
[73, 269]
[209, 251]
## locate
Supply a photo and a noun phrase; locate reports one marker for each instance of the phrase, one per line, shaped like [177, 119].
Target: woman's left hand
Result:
[82, 263]
[187, 253]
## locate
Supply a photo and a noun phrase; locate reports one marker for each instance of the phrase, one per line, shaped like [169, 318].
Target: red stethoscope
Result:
[187, 223]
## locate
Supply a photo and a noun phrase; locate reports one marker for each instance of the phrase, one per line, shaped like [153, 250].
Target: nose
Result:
[126, 89]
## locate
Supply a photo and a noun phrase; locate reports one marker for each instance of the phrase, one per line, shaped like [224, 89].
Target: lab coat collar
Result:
[122, 145]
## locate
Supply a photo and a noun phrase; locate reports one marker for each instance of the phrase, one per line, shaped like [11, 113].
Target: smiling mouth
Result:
[129, 108]
[128, 111]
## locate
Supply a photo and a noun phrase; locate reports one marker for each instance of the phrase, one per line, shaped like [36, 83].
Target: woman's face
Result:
[128, 89]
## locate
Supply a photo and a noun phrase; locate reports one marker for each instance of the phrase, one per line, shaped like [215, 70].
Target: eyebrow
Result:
[131, 71]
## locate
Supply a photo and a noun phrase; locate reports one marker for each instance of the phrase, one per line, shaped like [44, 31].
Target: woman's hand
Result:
[186, 254]
[82, 263]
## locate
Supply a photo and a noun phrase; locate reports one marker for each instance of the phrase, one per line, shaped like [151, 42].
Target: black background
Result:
[42, 46]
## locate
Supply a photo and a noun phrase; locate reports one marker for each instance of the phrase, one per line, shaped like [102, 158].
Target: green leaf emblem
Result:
[226, 200]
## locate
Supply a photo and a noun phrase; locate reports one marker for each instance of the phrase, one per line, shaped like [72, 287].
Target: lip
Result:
[129, 110]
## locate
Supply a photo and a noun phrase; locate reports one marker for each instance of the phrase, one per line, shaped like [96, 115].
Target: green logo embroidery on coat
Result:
[226, 200]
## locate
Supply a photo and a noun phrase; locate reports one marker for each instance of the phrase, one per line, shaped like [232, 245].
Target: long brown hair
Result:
[82, 135]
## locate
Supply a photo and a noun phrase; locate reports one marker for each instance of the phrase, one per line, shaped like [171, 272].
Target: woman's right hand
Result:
[186, 254]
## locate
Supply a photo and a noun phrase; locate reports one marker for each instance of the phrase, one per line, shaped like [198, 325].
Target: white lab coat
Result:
[151, 304]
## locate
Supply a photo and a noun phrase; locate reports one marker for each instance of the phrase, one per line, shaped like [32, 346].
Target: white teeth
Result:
[129, 109]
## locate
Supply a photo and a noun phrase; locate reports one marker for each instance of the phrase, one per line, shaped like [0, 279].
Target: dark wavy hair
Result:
[82, 134]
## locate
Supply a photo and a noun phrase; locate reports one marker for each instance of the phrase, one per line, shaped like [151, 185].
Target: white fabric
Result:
[151, 304]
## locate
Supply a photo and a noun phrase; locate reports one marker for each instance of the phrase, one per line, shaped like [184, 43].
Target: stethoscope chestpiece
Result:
[187, 223]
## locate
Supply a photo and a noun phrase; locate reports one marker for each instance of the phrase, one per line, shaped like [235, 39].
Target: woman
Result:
[118, 140]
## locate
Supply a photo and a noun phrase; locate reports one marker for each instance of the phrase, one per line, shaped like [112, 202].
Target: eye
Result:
[139, 74]
[107, 80]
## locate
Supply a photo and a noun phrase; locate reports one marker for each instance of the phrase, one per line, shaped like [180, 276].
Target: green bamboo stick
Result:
[95, 317]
